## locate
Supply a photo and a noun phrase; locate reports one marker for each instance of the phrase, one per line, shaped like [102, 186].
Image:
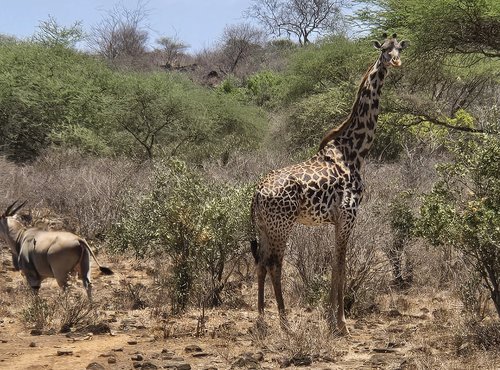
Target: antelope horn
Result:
[11, 210]
[7, 211]
[19, 207]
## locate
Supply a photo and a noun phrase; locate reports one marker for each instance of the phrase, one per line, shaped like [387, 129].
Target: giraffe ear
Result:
[404, 44]
[376, 44]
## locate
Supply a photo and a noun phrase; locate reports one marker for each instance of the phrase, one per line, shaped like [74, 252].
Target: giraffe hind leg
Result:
[261, 279]
[275, 272]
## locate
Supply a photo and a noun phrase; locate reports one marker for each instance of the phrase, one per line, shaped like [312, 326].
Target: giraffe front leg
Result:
[336, 315]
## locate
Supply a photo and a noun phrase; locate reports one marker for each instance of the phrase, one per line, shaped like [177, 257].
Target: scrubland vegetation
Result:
[156, 163]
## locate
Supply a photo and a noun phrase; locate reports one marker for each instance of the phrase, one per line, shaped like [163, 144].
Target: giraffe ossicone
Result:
[325, 189]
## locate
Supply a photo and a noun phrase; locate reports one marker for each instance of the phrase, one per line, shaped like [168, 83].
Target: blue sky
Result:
[198, 23]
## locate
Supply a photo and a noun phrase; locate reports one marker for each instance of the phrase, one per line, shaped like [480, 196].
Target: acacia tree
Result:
[50, 33]
[300, 18]
[441, 27]
[172, 49]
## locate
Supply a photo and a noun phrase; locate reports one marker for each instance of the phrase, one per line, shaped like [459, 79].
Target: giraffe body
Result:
[325, 189]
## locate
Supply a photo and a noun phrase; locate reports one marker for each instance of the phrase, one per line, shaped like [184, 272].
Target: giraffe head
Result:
[391, 48]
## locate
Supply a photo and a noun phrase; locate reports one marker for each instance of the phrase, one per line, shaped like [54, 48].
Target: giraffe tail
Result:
[254, 246]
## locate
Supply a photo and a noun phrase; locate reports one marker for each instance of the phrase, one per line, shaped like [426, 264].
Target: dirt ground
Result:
[407, 331]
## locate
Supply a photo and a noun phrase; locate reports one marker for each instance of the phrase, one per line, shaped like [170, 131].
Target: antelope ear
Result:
[376, 44]
[384, 35]
[404, 44]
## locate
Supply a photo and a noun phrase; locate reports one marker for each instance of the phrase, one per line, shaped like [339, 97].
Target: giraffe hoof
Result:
[260, 328]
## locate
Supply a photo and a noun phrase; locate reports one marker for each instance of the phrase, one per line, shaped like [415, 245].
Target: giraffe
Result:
[325, 189]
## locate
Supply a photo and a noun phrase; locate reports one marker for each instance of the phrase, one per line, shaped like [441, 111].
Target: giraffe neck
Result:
[354, 138]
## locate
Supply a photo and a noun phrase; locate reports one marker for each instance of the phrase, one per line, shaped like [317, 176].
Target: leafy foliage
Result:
[200, 225]
[463, 210]
[53, 96]
[45, 91]
[440, 27]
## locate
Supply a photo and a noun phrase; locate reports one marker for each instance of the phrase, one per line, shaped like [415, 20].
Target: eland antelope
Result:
[41, 254]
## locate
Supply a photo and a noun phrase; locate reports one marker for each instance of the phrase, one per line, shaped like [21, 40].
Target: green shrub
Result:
[463, 209]
[332, 62]
[315, 115]
[199, 225]
[265, 88]
[53, 96]
[43, 90]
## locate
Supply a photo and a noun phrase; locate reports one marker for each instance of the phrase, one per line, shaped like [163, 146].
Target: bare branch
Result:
[297, 17]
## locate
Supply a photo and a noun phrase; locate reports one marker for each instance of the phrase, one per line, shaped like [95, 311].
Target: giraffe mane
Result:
[336, 131]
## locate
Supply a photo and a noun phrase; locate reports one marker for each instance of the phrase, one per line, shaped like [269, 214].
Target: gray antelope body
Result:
[41, 254]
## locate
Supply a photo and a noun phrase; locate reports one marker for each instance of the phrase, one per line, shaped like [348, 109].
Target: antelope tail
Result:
[105, 270]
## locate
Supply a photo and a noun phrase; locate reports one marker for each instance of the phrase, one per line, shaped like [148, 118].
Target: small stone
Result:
[137, 357]
[394, 313]
[117, 349]
[94, 366]
[384, 350]
[132, 342]
[32, 344]
[149, 366]
[193, 348]
[109, 354]
[200, 354]
[298, 360]
[36, 332]
[177, 366]
[64, 352]
[136, 364]
[4, 341]
[112, 360]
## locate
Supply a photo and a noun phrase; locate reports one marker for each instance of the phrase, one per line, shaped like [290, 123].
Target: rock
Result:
[177, 366]
[136, 364]
[200, 354]
[246, 361]
[100, 328]
[120, 349]
[301, 360]
[112, 360]
[32, 344]
[36, 332]
[385, 350]
[62, 352]
[109, 354]
[137, 357]
[132, 342]
[193, 348]
[95, 366]
[394, 313]
[149, 366]
[3, 340]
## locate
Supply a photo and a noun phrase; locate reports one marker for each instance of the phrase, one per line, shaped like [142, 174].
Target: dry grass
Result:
[81, 193]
